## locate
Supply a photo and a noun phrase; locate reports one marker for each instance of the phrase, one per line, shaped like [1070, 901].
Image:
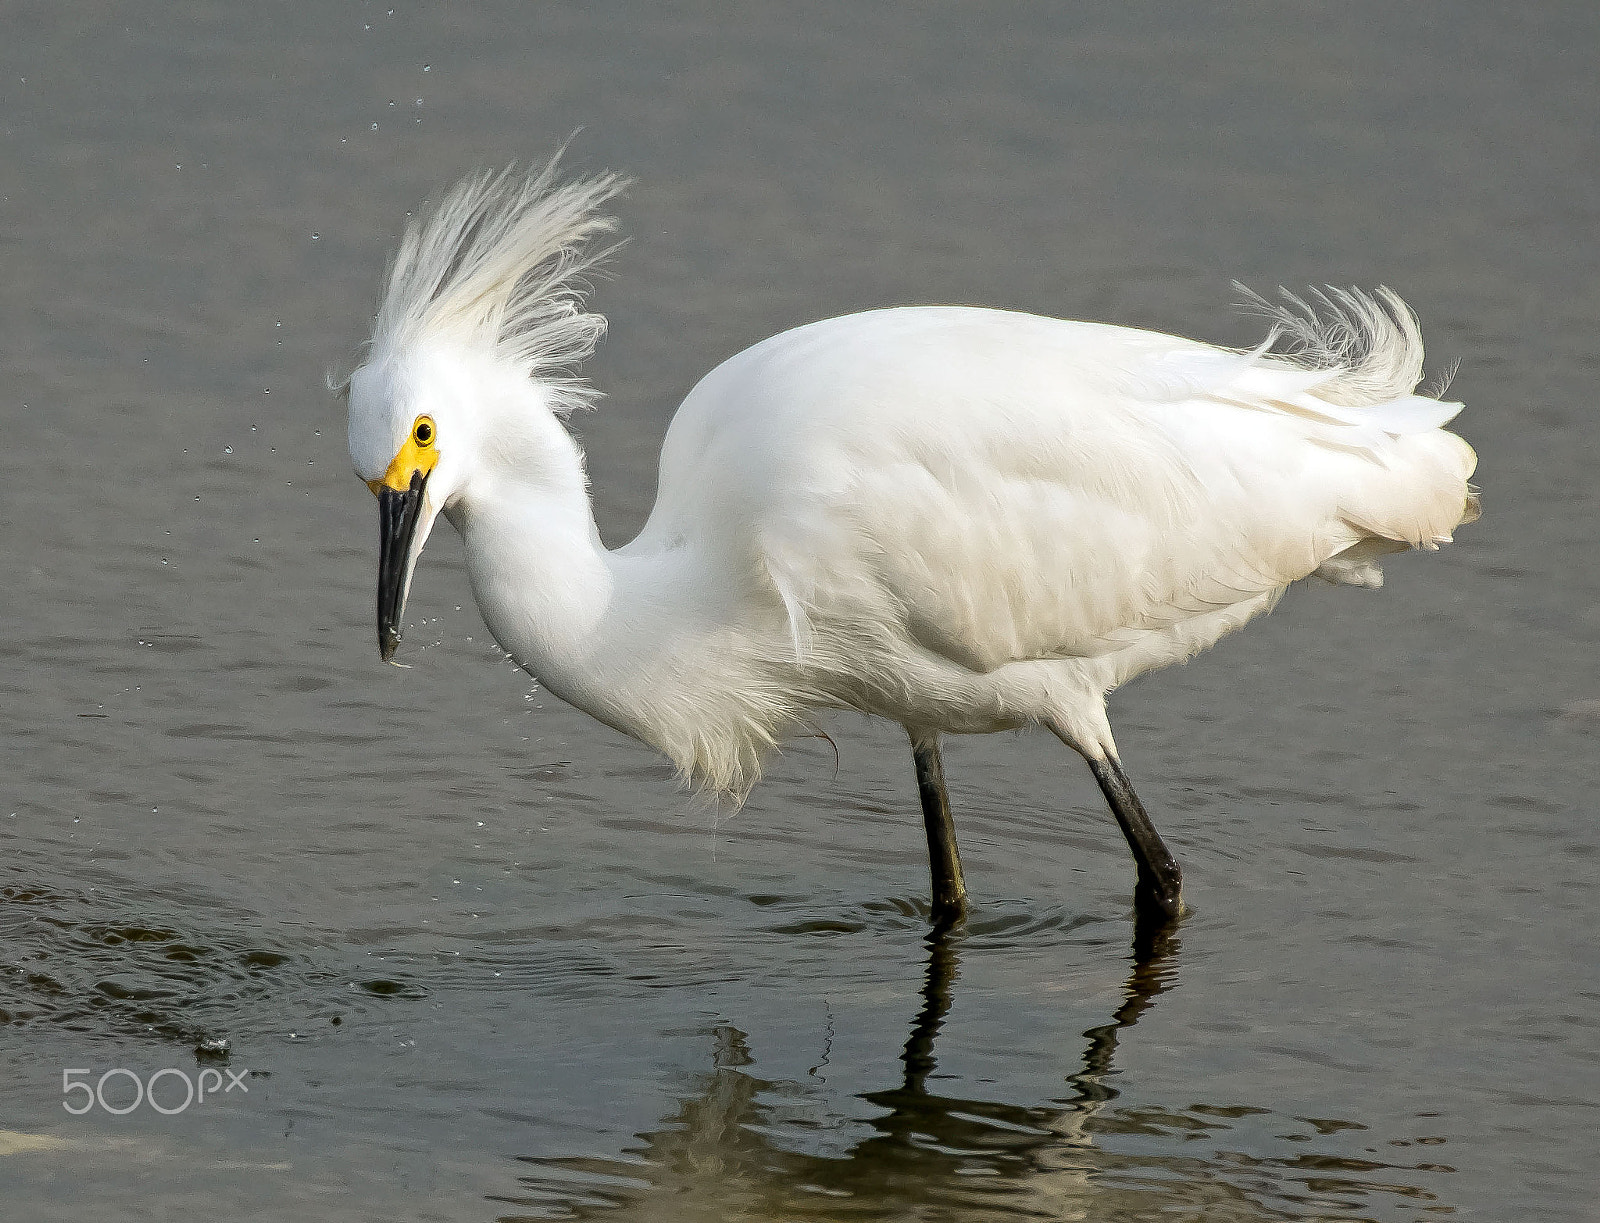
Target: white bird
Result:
[964, 520]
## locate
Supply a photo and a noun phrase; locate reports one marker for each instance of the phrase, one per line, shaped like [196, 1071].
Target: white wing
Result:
[1013, 487]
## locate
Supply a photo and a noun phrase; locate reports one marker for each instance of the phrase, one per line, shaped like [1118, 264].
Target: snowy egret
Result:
[965, 520]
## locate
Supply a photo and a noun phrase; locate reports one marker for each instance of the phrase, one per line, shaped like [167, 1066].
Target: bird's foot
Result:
[1158, 900]
[949, 910]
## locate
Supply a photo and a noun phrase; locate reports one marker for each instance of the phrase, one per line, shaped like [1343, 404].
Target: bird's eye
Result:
[422, 431]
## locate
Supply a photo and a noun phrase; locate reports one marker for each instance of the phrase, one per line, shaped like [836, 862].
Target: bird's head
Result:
[482, 310]
[408, 443]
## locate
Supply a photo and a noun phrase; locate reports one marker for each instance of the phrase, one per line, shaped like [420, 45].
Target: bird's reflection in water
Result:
[722, 1154]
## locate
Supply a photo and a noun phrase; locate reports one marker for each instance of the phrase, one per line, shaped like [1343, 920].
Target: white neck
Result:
[654, 644]
[663, 645]
[543, 580]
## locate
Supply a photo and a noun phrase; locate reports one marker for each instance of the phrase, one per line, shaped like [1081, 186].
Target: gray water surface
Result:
[476, 957]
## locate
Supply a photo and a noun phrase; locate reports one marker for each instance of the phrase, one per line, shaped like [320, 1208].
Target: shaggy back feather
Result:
[1369, 343]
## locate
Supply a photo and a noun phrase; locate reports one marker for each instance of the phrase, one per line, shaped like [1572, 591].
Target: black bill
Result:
[397, 524]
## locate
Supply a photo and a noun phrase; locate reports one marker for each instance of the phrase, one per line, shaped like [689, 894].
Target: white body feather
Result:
[961, 519]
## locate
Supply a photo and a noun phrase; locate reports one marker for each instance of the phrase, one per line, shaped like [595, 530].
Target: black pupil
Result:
[423, 434]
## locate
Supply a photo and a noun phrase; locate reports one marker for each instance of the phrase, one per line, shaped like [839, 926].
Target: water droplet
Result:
[315, 235]
[391, 101]
[227, 450]
[427, 67]
[419, 101]
[374, 127]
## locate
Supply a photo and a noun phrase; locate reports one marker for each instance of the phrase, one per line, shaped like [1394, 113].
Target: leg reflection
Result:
[936, 983]
[739, 1145]
[927, 1127]
[1155, 961]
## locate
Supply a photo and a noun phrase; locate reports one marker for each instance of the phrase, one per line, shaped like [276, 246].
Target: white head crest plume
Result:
[498, 266]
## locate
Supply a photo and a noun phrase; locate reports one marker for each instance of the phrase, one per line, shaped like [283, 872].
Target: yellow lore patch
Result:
[418, 454]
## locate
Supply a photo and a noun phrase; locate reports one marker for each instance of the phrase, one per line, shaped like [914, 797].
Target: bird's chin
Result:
[400, 515]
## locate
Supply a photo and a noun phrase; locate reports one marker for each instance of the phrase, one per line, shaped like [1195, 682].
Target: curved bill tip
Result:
[398, 515]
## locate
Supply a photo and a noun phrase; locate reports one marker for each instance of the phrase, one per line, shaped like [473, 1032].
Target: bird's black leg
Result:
[1159, 892]
[944, 861]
